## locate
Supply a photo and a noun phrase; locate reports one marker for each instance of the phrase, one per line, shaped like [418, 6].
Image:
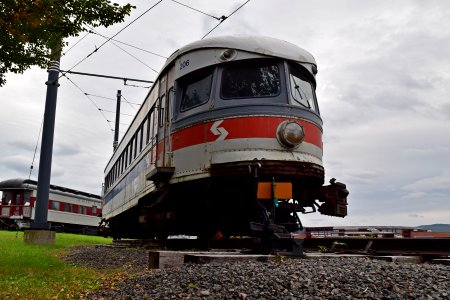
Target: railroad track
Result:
[186, 244]
[432, 247]
[381, 246]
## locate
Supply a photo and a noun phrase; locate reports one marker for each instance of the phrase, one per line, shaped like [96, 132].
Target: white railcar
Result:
[229, 135]
[68, 209]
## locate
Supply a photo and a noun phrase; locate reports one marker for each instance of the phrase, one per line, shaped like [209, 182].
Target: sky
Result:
[383, 88]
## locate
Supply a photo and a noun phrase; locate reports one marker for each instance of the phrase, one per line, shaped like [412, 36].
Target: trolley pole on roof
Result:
[45, 162]
[116, 128]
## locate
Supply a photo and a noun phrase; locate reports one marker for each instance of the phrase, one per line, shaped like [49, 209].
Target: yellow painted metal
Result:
[281, 190]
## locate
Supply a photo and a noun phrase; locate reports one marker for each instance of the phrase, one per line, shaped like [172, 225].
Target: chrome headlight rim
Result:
[286, 137]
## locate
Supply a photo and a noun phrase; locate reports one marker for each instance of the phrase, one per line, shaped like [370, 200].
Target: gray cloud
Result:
[415, 216]
[14, 165]
[67, 149]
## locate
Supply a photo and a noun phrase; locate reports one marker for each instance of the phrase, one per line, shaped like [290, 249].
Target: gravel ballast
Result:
[317, 278]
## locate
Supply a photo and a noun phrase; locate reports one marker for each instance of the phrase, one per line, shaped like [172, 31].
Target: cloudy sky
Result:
[383, 90]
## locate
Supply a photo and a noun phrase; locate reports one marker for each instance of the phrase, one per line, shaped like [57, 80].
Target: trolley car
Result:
[68, 210]
[228, 140]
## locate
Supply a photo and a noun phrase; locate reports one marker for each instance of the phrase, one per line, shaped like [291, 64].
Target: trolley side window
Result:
[6, 198]
[130, 146]
[82, 210]
[302, 90]
[162, 109]
[68, 207]
[250, 82]
[55, 205]
[27, 198]
[196, 90]
[18, 196]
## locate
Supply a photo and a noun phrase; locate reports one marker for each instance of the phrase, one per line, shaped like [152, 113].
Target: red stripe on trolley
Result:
[240, 128]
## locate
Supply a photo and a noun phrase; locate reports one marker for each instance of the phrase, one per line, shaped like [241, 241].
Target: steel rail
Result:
[380, 246]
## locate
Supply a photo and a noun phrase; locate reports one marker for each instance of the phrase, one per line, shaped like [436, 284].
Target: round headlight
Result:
[290, 134]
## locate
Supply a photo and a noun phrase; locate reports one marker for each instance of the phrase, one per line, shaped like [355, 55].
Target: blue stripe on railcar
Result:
[133, 174]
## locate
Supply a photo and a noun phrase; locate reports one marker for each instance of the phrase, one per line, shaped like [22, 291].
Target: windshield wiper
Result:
[299, 92]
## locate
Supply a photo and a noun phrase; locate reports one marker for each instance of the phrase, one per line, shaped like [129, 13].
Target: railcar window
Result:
[94, 209]
[149, 122]
[6, 198]
[113, 175]
[136, 144]
[144, 139]
[126, 157]
[27, 198]
[302, 90]
[150, 128]
[55, 205]
[68, 207]
[250, 82]
[154, 124]
[82, 210]
[196, 91]
[162, 107]
[17, 202]
[170, 96]
[131, 152]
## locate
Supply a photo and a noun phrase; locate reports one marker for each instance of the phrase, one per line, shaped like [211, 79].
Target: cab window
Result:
[250, 82]
[196, 90]
[302, 90]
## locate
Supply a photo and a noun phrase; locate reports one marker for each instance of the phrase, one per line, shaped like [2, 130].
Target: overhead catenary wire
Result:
[129, 103]
[113, 112]
[92, 101]
[119, 123]
[93, 31]
[202, 12]
[223, 18]
[109, 39]
[76, 43]
[112, 99]
[35, 148]
[135, 57]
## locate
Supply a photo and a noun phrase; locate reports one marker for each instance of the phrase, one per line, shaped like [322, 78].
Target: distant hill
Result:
[436, 227]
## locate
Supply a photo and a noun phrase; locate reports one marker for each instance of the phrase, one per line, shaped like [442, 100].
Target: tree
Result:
[32, 31]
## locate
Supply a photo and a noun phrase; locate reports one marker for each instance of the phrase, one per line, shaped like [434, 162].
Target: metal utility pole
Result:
[116, 129]
[45, 162]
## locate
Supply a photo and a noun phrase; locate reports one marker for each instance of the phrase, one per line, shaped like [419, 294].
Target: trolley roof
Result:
[19, 183]
[255, 44]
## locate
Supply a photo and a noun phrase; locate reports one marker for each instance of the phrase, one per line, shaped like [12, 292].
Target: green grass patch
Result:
[36, 272]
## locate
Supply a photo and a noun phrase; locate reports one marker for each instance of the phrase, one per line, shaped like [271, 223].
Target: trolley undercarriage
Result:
[231, 204]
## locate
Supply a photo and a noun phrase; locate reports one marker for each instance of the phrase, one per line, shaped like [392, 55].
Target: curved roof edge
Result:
[19, 183]
[258, 44]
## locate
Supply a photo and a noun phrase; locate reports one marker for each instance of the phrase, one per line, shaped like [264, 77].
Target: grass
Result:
[36, 272]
